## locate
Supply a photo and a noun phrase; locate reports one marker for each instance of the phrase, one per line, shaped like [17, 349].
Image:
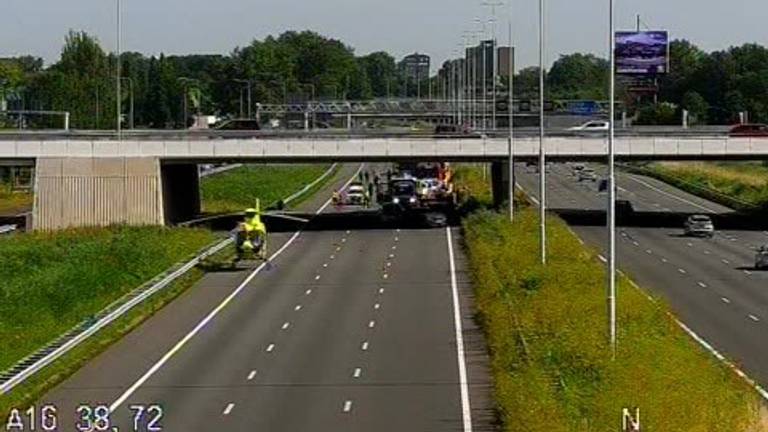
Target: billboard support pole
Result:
[542, 156]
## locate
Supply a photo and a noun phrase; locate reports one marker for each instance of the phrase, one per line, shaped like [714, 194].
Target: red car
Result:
[749, 131]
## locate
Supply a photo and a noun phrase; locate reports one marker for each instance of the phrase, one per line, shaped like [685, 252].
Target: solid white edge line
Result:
[683, 200]
[208, 318]
[466, 411]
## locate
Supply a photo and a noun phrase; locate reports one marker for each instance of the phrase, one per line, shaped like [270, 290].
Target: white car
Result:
[587, 174]
[699, 226]
[430, 188]
[355, 195]
[592, 126]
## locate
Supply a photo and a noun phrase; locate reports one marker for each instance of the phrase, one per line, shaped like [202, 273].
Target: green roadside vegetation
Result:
[12, 202]
[49, 282]
[740, 185]
[546, 329]
[238, 189]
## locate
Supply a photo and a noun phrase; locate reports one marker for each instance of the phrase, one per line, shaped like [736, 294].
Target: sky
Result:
[434, 27]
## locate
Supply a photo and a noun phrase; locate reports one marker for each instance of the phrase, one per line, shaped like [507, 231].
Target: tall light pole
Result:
[118, 93]
[542, 156]
[511, 110]
[612, 183]
[130, 109]
[494, 55]
[249, 84]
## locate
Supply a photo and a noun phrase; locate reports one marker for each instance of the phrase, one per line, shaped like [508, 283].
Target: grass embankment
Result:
[551, 364]
[742, 186]
[239, 188]
[12, 202]
[49, 282]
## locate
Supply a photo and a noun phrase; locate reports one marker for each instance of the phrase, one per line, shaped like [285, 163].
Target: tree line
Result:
[293, 67]
[298, 66]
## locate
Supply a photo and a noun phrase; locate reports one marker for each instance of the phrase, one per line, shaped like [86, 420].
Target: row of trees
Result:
[295, 66]
[298, 66]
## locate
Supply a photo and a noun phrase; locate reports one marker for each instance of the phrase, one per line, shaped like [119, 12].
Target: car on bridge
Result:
[592, 126]
[699, 226]
[761, 258]
[749, 131]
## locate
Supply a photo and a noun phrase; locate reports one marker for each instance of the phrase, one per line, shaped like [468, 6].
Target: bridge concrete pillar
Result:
[78, 192]
[500, 183]
[181, 192]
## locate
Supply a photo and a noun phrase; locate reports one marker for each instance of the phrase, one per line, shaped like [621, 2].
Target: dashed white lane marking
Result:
[682, 271]
[377, 306]
[726, 262]
[398, 230]
[308, 291]
[466, 409]
[338, 249]
[391, 256]
[347, 406]
[364, 346]
[602, 258]
[208, 318]
[636, 243]
[333, 256]
[343, 240]
[747, 272]
[371, 324]
[725, 300]
[381, 290]
[706, 252]
[397, 238]
[357, 373]
[389, 264]
[297, 307]
[385, 276]
[252, 375]
[754, 318]
[285, 325]
[702, 284]
[325, 265]
[271, 347]
[690, 244]
[664, 260]
[228, 409]
[317, 277]
[348, 232]
[648, 251]
[394, 247]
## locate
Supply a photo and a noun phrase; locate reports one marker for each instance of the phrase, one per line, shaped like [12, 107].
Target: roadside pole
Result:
[118, 89]
[542, 156]
[511, 110]
[612, 185]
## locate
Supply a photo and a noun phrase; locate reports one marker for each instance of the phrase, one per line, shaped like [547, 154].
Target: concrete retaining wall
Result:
[76, 192]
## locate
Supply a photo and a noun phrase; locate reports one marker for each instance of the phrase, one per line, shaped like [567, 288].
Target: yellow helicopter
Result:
[251, 235]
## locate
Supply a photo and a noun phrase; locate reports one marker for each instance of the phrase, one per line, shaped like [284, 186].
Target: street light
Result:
[130, 109]
[542, 155]
[511, 111]
[118, 92]
[612, 184]
[494, 55]
[249, 84]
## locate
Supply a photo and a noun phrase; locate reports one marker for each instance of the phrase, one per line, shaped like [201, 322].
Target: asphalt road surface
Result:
[710, 283]
[342, 331]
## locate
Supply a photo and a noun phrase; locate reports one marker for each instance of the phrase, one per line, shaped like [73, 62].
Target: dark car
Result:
[404, 192]
[749, 131]
[239, 125]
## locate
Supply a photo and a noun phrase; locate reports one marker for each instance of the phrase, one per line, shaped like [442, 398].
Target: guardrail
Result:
[38, 360]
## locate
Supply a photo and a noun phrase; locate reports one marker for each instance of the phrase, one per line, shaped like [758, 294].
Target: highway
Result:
[348, 330]
[710, 283]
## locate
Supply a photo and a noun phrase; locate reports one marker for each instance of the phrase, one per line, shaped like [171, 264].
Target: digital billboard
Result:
[642, 53]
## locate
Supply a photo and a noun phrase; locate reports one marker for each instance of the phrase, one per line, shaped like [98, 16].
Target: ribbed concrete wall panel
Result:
[79, 192]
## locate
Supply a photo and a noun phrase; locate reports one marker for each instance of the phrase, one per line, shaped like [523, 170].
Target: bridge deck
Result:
[365, 149]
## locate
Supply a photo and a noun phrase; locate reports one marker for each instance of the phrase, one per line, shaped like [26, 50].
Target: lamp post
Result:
[494, 54]
[542, 155]
[511, 111]
[130, 109]
[612, 184]
[118, 92]
[249, 84]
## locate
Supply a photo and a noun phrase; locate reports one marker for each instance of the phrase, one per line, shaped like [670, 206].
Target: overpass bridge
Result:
[81, 182]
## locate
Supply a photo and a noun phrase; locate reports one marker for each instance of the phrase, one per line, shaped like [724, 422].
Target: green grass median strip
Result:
[547, 334]
[238, 189]
[12, 202]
